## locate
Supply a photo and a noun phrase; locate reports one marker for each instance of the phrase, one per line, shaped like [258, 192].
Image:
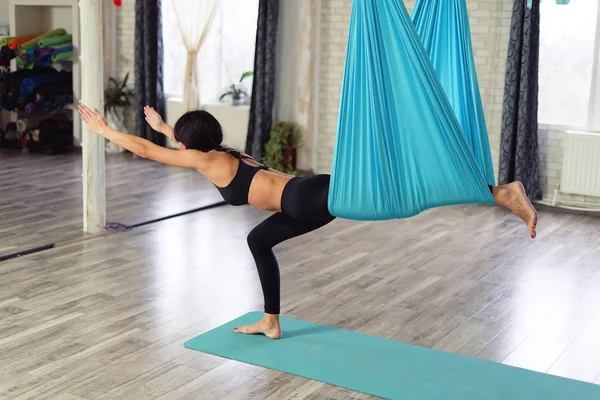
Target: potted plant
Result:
[280, 150]
[117, 97]
[237, 91]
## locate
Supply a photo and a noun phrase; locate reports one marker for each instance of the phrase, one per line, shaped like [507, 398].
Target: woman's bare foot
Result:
[513, 197]
[268, 326]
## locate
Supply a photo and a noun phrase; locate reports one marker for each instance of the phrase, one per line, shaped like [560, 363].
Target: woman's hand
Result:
[93, 120]
[153, 119]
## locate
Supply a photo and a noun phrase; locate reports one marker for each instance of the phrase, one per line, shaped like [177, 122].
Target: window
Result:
[568, 64]
[227, 52]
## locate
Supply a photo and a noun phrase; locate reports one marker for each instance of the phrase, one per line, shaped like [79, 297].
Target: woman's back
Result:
[243, 180]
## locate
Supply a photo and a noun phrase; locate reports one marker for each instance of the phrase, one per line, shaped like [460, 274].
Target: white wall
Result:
[296, 88]
[126, 50]
[4, 12]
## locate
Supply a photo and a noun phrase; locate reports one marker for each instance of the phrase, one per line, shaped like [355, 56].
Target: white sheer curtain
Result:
[194, 19]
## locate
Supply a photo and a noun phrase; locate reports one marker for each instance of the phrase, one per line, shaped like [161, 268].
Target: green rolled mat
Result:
[55, 40]
[34, 42]
[5, 39]
[61, 45]
[62, 56]
[22, 64]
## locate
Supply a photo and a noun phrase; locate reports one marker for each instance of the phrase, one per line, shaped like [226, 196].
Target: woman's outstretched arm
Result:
[156, 122]
[142, 147]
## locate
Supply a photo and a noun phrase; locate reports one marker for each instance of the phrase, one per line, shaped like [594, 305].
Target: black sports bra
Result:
[236, 193]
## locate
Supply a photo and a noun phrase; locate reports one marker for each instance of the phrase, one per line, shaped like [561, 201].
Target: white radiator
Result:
[581, 164]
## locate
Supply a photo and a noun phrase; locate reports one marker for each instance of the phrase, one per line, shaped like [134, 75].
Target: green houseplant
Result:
[280, 150]
[117, 97]
[236, 90]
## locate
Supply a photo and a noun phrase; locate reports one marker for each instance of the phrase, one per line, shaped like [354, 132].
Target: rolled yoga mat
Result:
[5, 39]
[24, 64]
[14, 43]
[7, 52]
[60, 46]
[62, 56]
[35, 41]
[33, 54]
[46, 60]
[46, 55]
[63, 49]
[31, 107]
[57, 101]
[50, 41]
[29, 84]
[382, 367]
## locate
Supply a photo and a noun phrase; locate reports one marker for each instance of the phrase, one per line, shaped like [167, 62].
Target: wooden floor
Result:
[41, 196]
[106, 318]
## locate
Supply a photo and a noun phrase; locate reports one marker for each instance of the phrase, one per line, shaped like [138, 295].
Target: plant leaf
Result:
[246, 75]
[225, 95]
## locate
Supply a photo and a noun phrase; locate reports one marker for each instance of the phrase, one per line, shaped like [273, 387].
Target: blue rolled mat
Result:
[57, 100]
[62, 49]
[33, 54]
[28, 85]
[46, 60]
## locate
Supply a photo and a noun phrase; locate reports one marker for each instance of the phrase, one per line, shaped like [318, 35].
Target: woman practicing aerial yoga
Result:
[300, 203]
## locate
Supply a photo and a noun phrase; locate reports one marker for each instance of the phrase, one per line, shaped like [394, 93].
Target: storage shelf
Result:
[38, 16]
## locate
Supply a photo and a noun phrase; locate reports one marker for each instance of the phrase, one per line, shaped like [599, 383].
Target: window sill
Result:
[564, 128]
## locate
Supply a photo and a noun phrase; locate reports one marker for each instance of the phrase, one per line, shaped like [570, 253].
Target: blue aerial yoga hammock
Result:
[399, 147]
[443, 26]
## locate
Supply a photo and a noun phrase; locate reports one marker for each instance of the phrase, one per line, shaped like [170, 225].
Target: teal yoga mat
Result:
[382, 367]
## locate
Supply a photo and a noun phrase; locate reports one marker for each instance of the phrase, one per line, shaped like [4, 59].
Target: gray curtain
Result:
[148, 66]
[519, 158]
[263, 87]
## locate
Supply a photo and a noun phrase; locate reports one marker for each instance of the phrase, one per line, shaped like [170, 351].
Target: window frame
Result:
[593, 120]
[219, 19]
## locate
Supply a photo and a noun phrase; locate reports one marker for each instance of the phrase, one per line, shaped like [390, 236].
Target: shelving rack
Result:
[37, 16]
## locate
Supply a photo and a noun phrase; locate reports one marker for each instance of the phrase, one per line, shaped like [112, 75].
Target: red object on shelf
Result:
[118, 3]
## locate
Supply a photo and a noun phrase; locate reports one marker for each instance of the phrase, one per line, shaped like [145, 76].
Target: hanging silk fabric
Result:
[399, 147]
[443, 26]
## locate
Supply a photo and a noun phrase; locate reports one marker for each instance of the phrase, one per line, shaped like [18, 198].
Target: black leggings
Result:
[303, 209]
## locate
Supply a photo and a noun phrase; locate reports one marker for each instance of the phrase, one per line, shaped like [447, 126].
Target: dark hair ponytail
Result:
[200, 130]
[233, 152]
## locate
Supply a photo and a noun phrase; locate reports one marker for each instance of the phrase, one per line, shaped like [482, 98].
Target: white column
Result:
[92, 95]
